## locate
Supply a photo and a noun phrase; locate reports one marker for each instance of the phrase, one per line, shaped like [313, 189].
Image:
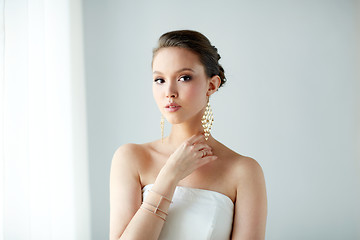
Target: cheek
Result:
[197, 94]
[192, 93]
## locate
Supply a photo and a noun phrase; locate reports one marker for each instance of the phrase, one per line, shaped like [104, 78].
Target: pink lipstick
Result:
[172, 107]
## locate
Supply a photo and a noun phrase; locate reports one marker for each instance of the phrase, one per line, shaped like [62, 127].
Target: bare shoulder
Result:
[248, 179]
[133, 155]
[247, 167]
[242, 168]
[130, 151]
[127, 157]
[247, 171]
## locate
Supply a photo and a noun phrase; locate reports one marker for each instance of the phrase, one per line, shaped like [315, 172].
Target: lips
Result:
[172, 107]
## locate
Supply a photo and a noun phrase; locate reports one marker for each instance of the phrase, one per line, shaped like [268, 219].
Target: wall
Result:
[290, 101]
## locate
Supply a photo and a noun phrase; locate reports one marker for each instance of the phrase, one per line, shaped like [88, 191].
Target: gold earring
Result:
[207, 120]
[162, 122]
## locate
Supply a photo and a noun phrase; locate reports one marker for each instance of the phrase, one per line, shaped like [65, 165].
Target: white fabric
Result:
[197, 214]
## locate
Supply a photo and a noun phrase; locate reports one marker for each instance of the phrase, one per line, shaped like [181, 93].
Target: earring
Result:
[207, 120]
[162, 122]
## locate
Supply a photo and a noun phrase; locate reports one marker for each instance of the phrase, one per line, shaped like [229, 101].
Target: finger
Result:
[199, 146]
[209, 152]
[203, 153]
[206, 152]
[200, 138]
[195, 139]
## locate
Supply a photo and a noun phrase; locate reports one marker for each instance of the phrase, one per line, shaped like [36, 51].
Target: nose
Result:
[171, 91]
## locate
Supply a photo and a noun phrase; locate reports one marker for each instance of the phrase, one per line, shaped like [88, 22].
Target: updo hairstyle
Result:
[197, 43]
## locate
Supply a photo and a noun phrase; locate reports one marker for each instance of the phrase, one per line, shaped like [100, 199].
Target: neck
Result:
[180, 132]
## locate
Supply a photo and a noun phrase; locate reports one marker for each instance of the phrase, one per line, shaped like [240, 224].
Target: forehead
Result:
[174, 58]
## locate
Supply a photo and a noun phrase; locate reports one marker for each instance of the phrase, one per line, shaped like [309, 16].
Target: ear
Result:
[214, 84]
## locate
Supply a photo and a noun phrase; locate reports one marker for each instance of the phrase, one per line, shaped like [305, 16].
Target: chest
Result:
[215, 176]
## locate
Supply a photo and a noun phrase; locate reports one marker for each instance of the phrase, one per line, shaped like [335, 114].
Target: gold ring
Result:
[204, 153]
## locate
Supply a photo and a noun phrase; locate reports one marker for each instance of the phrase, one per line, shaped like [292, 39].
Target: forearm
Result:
[145, 224]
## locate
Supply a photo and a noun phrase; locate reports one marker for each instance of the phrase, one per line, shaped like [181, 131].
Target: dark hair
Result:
[197, 43]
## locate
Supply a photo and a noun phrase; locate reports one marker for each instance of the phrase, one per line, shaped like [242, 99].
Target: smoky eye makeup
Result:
[159, 80]
[185, 78]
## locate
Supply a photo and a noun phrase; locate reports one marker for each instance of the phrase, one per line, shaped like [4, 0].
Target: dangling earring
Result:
[162, 122]
[207, 120]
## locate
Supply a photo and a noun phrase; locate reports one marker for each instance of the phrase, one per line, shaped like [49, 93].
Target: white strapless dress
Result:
[197, 214]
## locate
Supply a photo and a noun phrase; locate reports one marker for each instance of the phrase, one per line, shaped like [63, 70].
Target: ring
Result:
[204, 153]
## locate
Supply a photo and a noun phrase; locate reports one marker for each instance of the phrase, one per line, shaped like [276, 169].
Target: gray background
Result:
[290, 101]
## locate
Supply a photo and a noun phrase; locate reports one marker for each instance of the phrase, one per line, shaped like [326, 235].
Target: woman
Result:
[187, 185]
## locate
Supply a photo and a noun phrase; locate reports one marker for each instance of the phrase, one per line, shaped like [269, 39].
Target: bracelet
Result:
[154, 212]
[156, 209]
[161, 196]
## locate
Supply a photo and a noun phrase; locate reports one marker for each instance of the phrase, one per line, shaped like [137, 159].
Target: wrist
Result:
[165, 183]
[168, 176]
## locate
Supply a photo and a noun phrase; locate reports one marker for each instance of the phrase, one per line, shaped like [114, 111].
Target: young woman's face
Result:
[179, 80]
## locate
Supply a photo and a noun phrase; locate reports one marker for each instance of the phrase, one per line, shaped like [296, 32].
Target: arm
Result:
[251, 202]
[127, 219]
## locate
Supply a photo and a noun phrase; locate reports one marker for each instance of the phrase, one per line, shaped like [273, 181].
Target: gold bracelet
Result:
[153, 212]
[156, 209]
[161, 196]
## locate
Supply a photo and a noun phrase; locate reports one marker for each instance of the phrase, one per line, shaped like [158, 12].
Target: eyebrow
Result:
[181, 70]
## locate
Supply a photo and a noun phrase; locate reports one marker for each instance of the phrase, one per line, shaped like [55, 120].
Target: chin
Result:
[173, 120]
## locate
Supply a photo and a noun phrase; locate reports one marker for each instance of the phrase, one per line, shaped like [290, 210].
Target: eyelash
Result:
[159, 79]
[185, 77]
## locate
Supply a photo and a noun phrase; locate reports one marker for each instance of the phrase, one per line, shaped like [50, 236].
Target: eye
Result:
[159, 80]
[185, 78]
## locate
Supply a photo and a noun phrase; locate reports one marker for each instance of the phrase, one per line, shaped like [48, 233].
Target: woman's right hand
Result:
[190, 155]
